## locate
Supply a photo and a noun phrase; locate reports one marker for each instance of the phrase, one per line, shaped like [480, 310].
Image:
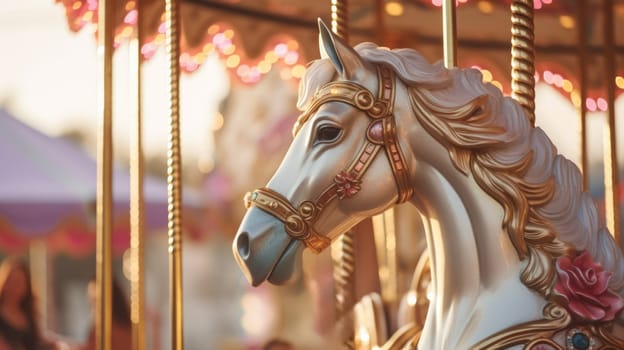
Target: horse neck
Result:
[475, 268]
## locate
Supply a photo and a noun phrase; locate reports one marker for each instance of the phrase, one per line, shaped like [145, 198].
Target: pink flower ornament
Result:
[348, 185]
[583, 285]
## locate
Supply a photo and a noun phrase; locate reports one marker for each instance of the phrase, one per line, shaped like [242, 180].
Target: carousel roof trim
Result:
[221, 37]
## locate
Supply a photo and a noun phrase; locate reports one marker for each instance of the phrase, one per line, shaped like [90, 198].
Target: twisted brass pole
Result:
[523, 56]
[610, 157]
[174, 173]
[340, 18]
[137, 203]
[344, 268]
[104, 201]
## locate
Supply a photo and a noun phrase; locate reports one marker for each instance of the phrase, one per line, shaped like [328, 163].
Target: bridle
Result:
[381, 133]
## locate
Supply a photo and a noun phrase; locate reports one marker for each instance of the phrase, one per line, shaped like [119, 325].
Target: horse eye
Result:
[327, 133]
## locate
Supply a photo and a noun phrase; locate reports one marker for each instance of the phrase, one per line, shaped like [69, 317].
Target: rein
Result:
[381, 133]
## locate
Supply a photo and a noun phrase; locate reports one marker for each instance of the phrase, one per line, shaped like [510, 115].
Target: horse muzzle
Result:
[264, 251]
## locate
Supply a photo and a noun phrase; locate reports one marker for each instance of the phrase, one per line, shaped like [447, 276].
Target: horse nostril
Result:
[242, 244]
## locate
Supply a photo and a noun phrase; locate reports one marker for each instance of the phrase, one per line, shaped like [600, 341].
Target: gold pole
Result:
[522, 56]
[174, 173]
[449, 33]
[38, 263]
[385, 245]
[582, 61]
[104, 178]
[137, 243]
[610, 155]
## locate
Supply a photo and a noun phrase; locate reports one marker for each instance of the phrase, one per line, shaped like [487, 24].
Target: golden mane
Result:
[546, 215]
[503, 179]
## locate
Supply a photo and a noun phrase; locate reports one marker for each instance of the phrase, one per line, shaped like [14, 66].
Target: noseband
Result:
[381, 133]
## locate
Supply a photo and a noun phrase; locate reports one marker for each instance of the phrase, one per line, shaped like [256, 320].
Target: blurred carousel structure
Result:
[575, 46]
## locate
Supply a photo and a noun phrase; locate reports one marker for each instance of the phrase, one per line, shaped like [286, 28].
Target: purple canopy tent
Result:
[48, 191]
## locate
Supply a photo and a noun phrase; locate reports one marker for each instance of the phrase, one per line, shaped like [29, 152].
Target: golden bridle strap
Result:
[381, 132]
[298, 223]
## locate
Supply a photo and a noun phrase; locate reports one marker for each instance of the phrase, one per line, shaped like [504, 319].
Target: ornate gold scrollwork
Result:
[556, 319]
[541, 343]
[296, 227]
[307, 210]
[610, 342]
[378, 110]
[364, 100]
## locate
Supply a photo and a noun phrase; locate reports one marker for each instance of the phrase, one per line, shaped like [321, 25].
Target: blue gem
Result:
[580, 341]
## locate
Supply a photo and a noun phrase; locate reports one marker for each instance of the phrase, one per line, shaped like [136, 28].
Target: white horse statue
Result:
[518, 260]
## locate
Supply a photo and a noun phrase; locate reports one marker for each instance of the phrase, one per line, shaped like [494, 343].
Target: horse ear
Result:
[346, 61]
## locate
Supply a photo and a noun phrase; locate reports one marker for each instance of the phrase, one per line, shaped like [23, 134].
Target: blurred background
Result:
[241, 63]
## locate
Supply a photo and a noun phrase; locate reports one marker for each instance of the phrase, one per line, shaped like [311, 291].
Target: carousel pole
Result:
[523, 56]
[610, 154]
[449, 33]
[581, 19]
[340, 18]
[384, 231]
[38, 261]
[137, 207]
[174, 173]
[343, 254]
[104, 203]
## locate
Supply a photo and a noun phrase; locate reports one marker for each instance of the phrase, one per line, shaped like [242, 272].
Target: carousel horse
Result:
[517, 257]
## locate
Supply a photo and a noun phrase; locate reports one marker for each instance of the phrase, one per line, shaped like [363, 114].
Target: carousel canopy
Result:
[48, 188]
[252, 36]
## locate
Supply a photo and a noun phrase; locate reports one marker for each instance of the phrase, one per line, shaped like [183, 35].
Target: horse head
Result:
[332, 176]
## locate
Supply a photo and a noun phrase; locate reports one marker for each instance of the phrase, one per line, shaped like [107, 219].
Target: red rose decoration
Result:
[583, 284]
[348, 185]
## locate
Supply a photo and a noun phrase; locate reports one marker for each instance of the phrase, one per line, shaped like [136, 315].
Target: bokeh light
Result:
[394, 8]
